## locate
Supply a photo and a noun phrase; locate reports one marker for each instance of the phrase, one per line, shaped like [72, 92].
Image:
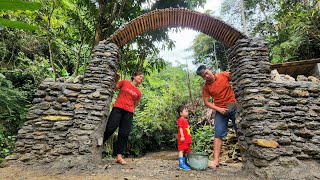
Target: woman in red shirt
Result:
[122, 113]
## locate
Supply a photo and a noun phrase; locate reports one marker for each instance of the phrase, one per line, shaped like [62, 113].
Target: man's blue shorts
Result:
[221, 123]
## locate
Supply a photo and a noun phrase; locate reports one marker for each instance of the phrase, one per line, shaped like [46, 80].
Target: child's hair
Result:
[137, 73]
[181, 108]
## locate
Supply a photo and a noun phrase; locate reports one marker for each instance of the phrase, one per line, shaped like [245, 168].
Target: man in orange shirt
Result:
[218, 87]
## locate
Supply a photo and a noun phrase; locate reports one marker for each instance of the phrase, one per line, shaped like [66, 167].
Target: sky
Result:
[184, 39]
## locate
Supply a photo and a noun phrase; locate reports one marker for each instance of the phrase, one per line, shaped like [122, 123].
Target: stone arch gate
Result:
[66, 122]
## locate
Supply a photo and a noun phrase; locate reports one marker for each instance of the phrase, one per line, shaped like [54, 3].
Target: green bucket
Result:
[198, 161]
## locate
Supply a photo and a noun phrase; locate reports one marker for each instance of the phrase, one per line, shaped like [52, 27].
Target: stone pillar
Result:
[92, 108]
[250, 71]
[66, 124]
[279, 128]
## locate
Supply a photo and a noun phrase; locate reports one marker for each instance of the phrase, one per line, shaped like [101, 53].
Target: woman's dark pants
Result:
[122, 119]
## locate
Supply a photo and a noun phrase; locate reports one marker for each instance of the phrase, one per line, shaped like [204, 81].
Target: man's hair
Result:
[200, 70]
[181, 108]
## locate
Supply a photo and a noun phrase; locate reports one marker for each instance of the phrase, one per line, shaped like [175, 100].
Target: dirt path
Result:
[160, 165]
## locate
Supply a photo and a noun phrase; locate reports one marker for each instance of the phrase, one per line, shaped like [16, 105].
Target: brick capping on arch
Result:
[176, 17]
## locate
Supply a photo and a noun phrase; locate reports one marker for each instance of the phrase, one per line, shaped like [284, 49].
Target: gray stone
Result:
[288, 161]
[26, 157]
[305, 133]
[311, 149]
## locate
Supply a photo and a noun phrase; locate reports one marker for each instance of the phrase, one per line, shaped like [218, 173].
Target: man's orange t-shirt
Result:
[220, 90]
[128, 94]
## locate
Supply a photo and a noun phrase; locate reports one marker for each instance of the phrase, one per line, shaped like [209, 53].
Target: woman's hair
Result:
[137, 73]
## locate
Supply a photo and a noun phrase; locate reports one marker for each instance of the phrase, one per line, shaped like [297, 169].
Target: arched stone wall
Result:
[175, 17]
[286, 113]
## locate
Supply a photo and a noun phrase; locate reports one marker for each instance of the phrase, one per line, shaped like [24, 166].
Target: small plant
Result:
[201, 139]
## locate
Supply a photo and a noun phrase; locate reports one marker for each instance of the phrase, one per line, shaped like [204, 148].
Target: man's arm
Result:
[212, 106]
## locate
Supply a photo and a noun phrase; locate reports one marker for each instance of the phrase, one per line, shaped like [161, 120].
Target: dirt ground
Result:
[159, 165]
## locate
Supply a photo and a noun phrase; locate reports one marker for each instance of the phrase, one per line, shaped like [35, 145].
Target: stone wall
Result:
[66, 122]
[279, 129]
[44, 134]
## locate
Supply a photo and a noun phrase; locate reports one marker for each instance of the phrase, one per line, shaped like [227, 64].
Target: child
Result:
[184, 137]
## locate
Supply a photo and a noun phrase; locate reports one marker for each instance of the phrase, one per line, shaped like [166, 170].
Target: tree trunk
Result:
[189, 86]
[102, 22]
[243, 18]
[51, 59]
[49, 45]
[99, 22]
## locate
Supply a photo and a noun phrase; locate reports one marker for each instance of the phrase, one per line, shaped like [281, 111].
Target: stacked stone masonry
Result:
[68, 117]
[285, 112]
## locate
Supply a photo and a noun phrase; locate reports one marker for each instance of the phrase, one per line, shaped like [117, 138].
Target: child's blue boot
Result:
[186, 161]
[182, 163]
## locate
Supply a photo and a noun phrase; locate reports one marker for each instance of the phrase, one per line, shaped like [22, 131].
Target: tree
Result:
[290, 27]
[210, 52]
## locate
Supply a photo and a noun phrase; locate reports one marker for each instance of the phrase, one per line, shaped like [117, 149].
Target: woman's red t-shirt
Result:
[128, 94]
[183, 123]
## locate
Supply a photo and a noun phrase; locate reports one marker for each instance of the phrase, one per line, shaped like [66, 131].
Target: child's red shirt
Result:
[183, 123]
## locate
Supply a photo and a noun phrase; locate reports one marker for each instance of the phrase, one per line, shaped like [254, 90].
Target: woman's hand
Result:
[117, 77]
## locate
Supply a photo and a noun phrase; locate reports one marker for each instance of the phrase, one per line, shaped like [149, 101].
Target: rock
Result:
[26, 157]
[12, 157]
[70, 80]
[62, 99]
[304, 133]
[300, 93]
[288, 78]
[96, 94]
[302, 78]
[314, 80]
[266, 143]
[56, 118]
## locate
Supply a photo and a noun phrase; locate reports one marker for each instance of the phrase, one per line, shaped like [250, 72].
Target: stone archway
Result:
[170, 18]
[67, 120]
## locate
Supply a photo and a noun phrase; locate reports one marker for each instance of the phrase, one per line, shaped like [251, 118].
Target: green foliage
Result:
[18, 5]
[291, 27]
[6, 145]
[210, 52]
[15, 5]
[16, 24]
[12, 113]
[201, 139]
[155, 125]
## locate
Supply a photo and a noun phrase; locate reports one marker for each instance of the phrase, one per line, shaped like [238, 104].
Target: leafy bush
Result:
[154, 124]
[6, 144]
[13, 109]
[202, 139]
